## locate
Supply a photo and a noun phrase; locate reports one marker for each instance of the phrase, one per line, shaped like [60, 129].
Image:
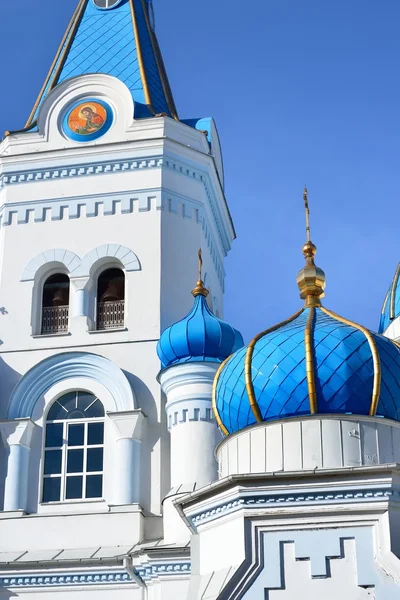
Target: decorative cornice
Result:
[57, 209]
[72, 171]
[146, 572]
[336, 496]
[118, 166]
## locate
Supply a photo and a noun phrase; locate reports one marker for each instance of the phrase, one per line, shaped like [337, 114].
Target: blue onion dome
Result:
[391, 305]
[199, 337]
[315, 362]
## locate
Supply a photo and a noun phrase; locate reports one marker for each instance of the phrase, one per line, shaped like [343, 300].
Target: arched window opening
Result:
[55, 306]
[74, 449]
[105, 3]
[111, 299]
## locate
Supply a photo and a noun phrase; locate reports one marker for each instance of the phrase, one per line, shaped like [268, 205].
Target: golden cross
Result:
[305, 198]
[200, 255]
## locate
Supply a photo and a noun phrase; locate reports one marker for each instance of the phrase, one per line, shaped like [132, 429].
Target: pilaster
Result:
[17, 437]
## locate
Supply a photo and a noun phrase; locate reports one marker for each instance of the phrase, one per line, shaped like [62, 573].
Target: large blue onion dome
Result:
[200, 336]
[315, 362]
[391, 305]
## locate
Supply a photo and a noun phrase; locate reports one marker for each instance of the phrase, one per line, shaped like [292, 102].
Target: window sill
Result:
[50, 335]
[77, 507]
[75, 501]
[94, 331]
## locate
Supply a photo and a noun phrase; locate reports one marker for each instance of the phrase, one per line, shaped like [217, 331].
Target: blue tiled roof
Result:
[344, 373]
[103, 41]
[391, 305]
[199, 337]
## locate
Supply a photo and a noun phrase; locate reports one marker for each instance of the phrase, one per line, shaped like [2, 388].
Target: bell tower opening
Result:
[111, 299]
[55, 304]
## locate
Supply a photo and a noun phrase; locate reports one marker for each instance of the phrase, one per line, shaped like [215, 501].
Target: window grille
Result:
[55, 319]
[111, 315]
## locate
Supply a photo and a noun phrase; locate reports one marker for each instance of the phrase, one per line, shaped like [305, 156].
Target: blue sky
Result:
[302, 92]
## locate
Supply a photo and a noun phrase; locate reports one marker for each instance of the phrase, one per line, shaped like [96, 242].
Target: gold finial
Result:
[200, 290]
[311, 279]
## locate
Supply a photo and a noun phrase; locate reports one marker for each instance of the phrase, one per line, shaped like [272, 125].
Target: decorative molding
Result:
[61, 367]
[190, 415]
[72, 171]
[17, 432]
[68, 259]
[117, 166]
[342, 496]
[124, 255]
[65, 579]
[75, 208]
[78, 267]
[128, 425]
[146, 572]
[142, 200]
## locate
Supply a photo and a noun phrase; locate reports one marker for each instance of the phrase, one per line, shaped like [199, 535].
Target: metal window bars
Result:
[55, 319]
[110, 315]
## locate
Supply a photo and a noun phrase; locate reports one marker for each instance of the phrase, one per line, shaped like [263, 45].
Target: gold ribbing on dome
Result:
[392, 314]
[376, 390]
[311, 279]
[214, 398]
[200, 290]
[248, 376]
[310, 366]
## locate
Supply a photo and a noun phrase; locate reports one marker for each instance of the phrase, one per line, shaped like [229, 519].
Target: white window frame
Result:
[64, 455]
[109, 4]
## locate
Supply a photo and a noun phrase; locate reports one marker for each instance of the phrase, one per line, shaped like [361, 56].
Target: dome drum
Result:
[318, 442]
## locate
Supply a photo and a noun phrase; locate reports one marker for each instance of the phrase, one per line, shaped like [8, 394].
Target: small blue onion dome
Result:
[391, 305]
[315, 362]
[199, 337]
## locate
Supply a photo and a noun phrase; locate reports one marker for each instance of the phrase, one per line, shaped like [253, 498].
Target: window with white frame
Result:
[105, 3]
[74, 449]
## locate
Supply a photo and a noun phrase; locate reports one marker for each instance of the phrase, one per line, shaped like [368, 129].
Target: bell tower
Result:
[106, 196]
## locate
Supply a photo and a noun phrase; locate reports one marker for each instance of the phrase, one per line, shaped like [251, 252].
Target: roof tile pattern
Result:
[344, 373]
[104, 42]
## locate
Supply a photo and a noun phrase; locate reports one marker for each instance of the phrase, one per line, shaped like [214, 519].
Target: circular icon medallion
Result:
[88, 120]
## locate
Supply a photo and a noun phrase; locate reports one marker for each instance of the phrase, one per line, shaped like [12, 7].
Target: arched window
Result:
[74, 448]
[55, 305]
[105, 3]
[111, 299]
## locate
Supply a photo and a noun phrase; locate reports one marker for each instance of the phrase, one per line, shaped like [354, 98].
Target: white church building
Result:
[149, 455]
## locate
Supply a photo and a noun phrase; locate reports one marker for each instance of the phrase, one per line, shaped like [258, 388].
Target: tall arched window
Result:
[111, 299]
[74, 448]
[55, 305]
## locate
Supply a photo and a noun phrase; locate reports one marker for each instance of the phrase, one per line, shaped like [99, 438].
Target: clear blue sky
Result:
[303, 92]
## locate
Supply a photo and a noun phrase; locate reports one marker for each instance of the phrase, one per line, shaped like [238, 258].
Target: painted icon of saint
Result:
[93, 121]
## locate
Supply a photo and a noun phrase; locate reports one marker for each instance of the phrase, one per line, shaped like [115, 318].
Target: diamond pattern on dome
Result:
[344, 370]
[344, 367]
[105, 43]
[234, 408]
[279, 375]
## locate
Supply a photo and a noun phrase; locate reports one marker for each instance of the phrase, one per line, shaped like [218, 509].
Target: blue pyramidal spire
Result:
[114, 37]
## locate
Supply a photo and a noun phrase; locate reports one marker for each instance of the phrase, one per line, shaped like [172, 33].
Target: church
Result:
[146, 452]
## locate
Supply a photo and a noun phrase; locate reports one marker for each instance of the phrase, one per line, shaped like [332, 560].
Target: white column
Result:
[128, 429]
[79, 319]
[17, 437]
[194, 435]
